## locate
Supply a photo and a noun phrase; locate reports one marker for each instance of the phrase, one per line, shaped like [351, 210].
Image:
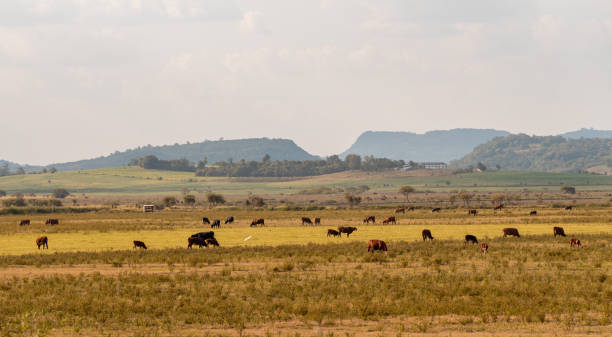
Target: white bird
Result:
[247, 238]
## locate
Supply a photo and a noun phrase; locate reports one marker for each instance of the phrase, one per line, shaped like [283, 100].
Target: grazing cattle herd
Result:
[205, 239]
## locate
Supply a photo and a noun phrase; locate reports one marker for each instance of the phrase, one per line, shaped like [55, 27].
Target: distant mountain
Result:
[213, 151]
[588, 133]
[430, 146]
[535, 153]
[13, 166]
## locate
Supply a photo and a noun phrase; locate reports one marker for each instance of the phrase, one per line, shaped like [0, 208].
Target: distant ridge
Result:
[546, 154]
[588, 133]
[213, 151]
[440, 145]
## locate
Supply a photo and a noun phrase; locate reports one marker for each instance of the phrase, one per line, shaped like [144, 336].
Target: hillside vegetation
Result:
[212, 151]
[534, 153]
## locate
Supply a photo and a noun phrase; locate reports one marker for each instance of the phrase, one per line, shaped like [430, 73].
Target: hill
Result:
[430, 146]
[535, 153]
[588, 133]
[213, 151]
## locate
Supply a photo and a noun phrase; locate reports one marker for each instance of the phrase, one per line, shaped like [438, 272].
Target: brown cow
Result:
[568, 208]
[369, 218]
[317, 221]
[575, 242]
[400, 210]
[42, 241]
[410, 209]
[306, 220]
[558, 231]
[52, 222]
[437, 209]
[377, 245]
[24, 222]
[333, 232]
[511, 232]
[139, 244]
[498, 207]
[195, 240]
[426, 233]
[390, 219]
[256, 222]
[472, 212]
[470, 238]
[533, 213]
[484, 247]
[347, 230]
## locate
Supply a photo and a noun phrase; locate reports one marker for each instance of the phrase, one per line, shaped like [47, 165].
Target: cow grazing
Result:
[575, 242]
[470, 238]
[369, 218]
[437, 209]
[568, 208]
[24, 222]
[52, 222]
[139, 244]
[472, 212]
[306, 220]
[484, 247]
[256, 222]
[533, 213]
[229, 220]
[204, 235]
[558, 231]
[205, 221]
[216, 223]
[377, 245]
[347, 230]
[511, 232]
[42, 241]
[426, 233]
[400, 210]
[333, 232]
[388, 220]
[212, 242]
[410, 209]
[194, 240]
[317, 221]
[498, 207]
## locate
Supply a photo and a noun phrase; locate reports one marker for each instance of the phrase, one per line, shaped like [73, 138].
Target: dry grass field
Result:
[292, 280]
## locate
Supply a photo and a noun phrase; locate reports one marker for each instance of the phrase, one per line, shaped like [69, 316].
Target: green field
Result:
[132, 180]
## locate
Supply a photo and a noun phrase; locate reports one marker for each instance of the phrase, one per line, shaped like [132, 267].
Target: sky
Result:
[84, 78]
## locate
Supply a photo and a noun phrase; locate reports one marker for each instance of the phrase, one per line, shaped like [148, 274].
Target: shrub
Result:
[14, 202]
[60, 193]
[189, 199]
[169, 201]
[215, 199]
[568, 189]
[352, 200]
[255, 201]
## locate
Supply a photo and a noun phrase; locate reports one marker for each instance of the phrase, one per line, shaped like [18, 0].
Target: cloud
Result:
[252, 22]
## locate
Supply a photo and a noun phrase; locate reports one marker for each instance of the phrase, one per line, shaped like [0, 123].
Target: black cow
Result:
[437, 209]
[140, 244]
[229, 220]
[558, 231]
[204, 235]
[24, 222]
[216, 223]
[470, 238]
[205, 221]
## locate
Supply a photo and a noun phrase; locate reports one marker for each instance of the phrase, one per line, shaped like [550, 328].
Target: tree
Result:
[466, 197]
[266, 158]
[568, 189]
[215, 199]
[353, 161]
[352, 200]
[406, 190]
[2, 193]
[20, 170]
[52, 170]
[255, 201]
[169, 201]
[60, 193]
[498, 198]
[481, 166]
[452, 198]
[189, 199]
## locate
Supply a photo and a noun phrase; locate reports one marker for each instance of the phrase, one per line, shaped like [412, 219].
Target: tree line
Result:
[267, 168]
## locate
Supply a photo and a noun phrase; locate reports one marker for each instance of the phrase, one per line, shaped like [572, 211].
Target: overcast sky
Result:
[83, 78]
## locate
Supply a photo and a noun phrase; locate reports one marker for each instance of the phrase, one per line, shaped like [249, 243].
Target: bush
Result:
[60, 193]
[255, 201]
[352, 200]
[189, 199]
[568, 189]
[14, 202]
[169, 201]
